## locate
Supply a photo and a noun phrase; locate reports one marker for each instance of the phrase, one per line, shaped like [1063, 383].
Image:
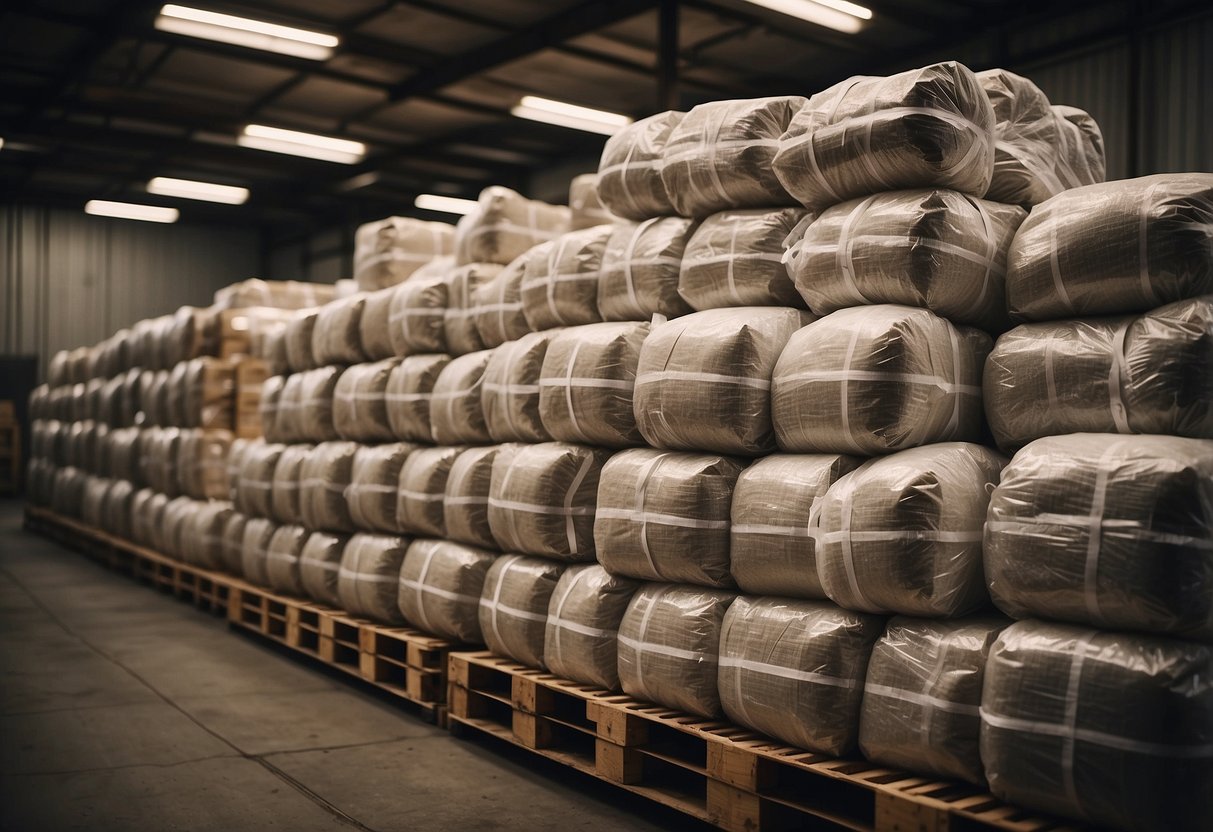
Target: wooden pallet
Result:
[706, 768]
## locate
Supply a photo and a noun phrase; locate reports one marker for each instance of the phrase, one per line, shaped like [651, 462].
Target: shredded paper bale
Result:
[1111, 728]
[920, 128]
[422, 487]
[323, 478]
[640, 270]
[504, 225]
[794, 670]
[875, 379]
[664, 516]
[542, 499]
[509, 393]
[771, 550]
[440, 588]
[1118, 247]
[704, 380]
[284, 490]
[418, 313]
[497, 305]
[514, 606]
[389, 251]
[313, 415]
[938, 249]
[369, 576]
[233, 541]
[902, 533]
[669, 646]
[374, 481]
[735, 258]
[360, 407]
[719, 155]
[465, 507]
[456, 414]
[584, 203]
[1147, 374]
[560, 280]
[280, 294]
[459, 320]
[409, 392]
[300, 332]
[375, 325]
[587, 383]
[269, 409]
[629, 173]
[1112, 531]
[254, 550]
[581, 641]
[922, 694]
[282, 559]
[337, 338]
[320, 564]
[202, 539]
[256, 482]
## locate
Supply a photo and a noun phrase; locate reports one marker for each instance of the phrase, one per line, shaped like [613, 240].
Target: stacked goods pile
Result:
[1099, 538]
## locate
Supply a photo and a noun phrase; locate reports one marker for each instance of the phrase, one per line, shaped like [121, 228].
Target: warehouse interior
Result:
[691, 551]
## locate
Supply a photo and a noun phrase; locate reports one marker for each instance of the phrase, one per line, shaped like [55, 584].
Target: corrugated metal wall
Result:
[71, 279]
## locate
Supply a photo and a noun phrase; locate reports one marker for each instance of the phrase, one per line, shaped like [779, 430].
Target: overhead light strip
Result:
[445, 204]
[839, 15]
[570, 115]
[130, 211]
[243, 31]
[189, 189]
[297, 143]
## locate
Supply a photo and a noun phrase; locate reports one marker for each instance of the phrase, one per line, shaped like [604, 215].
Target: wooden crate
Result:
[708, 768]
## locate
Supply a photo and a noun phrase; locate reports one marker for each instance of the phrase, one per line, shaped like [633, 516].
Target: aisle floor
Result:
[124, 709]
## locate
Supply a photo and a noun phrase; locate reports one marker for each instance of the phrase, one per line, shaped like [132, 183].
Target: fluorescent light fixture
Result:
[243, 31]
[188, 189]
[570, 115]
[1, 143]
[839, 15]
[296, 143]
[130, 211]
[445, 204]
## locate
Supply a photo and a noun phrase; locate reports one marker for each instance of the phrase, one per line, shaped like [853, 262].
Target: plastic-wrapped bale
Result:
[771, 549]
[202, 539]
[254, 488]
[509, 393]
[640, 270]
[116, 509]
[289, 407]
[254, 550]
[202, 463]
[374, 481]
[409, 392]
[1112, 531]
[514, 606]
[928, 127]
[1111, 728]
[719, 155]
[232, 549]
[300, 332]
[375, 325]
[209, 387]
[1113, 248]
[938, 249]
[68, 492]
[587, 384]
[419, 498]
[584, 203]
[581, 641]
[794, 670]
[542, 500]
[664, 516]
[270, 408]
[669, 646]
[337, 337]
[172, 527]
[319, 566]
[735, 258]
[94, 497]
[902, 533]
[465, 507]
[313, 418]
[284, 490]
[272, 349]
[417, 315]
[369, 577]
[280, 294]
[151, 398]
[922, 695]
[282, 559]
[459, 319]
[1038, 152]
[391, 250]
[1148, 374]
[174, 397]
[497, 305]
[561, 279]
[875, 379]
[440, 588]
[504, 225]
[456, 414]
[629, 173]
[323, 479]
[360, 408]
[124, 445]
[146, 508]
[235, 463]
[703, 381]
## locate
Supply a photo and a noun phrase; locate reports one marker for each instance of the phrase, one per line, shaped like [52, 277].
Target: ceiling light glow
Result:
[445, 204]
[570, 115]
[296, 143]
[243, 31]
[839, 15]
[189, 189]
[130, 211]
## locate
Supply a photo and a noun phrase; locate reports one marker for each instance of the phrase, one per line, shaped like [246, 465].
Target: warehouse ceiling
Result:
[96, 100]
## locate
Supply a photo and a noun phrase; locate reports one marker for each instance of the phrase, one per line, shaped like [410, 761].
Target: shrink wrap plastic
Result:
[514, 606]
[440, 588]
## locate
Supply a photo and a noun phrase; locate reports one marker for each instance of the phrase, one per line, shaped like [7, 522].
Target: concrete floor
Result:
[124, 709]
